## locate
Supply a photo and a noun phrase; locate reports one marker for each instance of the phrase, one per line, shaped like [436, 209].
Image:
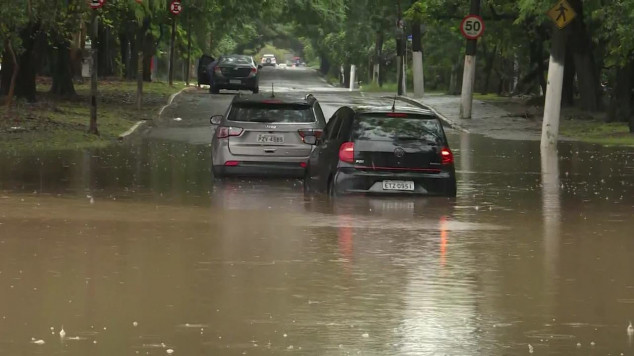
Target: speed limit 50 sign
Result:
[472, 27]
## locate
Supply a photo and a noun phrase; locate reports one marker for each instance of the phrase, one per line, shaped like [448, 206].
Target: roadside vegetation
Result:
[60, 123]
[53, 40]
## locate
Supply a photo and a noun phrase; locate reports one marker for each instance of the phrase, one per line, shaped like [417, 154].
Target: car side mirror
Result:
[215, 119]
[259, 66]
[311, 140]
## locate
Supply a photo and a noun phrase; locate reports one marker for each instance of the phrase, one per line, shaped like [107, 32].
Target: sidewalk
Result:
[487, 118]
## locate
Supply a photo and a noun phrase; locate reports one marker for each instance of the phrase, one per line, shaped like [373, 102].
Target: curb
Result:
[453, 124]
[138, 124]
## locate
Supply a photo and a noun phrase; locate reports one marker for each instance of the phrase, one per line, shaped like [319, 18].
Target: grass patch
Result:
[61, 123]
[599, 132]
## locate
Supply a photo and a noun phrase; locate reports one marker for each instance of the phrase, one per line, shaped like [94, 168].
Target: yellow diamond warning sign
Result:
[562, 13]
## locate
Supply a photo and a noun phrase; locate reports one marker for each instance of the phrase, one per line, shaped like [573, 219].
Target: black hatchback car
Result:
[236, 72]
[382, 151]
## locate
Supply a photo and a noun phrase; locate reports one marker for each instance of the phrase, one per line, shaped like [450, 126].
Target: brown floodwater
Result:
[135, 250]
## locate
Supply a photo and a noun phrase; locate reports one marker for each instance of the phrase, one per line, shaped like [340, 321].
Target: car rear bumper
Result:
[353, 181]
[245, 83]
[262, 169]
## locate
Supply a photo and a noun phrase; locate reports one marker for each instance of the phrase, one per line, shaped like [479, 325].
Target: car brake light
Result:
[271, 101]
[446, 155]
[218, 70]
[396, 114]
[346, 152]
[303, 164]
[224, 131]
[310, 132]
[232, 163]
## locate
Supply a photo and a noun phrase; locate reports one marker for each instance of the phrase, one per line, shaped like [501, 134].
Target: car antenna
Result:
[394, 104]
[272, 90]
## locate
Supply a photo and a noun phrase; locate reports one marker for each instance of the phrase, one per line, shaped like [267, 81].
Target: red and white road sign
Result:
[472, 27]
[95, 4]
[176, 7]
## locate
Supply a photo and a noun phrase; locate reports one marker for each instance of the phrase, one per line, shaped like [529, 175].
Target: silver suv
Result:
[266, 135]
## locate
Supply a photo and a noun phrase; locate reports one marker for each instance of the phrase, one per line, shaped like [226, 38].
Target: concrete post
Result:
[468, 81]
[353, 76]
[552, 107]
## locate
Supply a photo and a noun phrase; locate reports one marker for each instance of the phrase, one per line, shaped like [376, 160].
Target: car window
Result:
[280, 113]
[236, 60]
[384, 128]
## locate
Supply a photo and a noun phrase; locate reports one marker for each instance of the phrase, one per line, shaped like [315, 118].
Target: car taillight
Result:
[310, 132]
[232, 163]
[224, 131]
[446, 155]
[253, 73]
[218, 70]
[396, 114]
[346, 152]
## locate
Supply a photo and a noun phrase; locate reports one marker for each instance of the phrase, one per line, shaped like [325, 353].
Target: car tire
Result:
[332, 189]
[214, 90]
[256, 90]
[216, 172]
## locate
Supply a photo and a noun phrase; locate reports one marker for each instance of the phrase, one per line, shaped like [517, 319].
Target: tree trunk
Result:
[62, 72]
[149, 49]
[585, 65]
[378, 58]
[488, 67]
[189, 50]
[568, 90]
[27, 64]
[14, 75]
[455, 77]
[621, 99]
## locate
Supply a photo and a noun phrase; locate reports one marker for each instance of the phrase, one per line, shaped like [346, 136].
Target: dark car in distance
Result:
[236, 72]
[382, 151]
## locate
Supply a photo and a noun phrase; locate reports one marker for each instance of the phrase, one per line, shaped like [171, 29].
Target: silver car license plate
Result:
[405, 185]
[263, 138]
[234, 81]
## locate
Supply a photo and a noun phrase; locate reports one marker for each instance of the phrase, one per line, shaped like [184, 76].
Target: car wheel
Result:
[216, 172]
[214, 90]
[332, 189]
[256, 90]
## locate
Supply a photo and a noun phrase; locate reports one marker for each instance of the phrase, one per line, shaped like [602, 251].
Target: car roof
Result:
[285, 98]
[399, 109]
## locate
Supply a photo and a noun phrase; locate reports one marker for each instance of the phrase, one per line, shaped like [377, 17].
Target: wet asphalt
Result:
[135, 249]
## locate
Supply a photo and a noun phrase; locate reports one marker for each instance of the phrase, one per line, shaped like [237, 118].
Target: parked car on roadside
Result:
[269, 60]
[382, 151]
[236, 72]
[266, 135]
[203, 64]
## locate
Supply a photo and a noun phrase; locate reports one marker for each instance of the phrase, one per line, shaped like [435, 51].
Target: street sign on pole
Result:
[176, 7]
[95, 4]
[472, 27]
[562, 14]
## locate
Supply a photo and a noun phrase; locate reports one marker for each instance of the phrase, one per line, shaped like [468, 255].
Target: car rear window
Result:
[236, 60]
[384, 128]
[280, 113]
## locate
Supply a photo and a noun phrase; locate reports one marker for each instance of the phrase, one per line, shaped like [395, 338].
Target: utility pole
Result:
[92, 129]
[468, 76]
[171, 61]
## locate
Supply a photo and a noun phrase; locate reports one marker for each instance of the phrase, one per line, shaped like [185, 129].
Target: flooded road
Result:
[135, 250]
